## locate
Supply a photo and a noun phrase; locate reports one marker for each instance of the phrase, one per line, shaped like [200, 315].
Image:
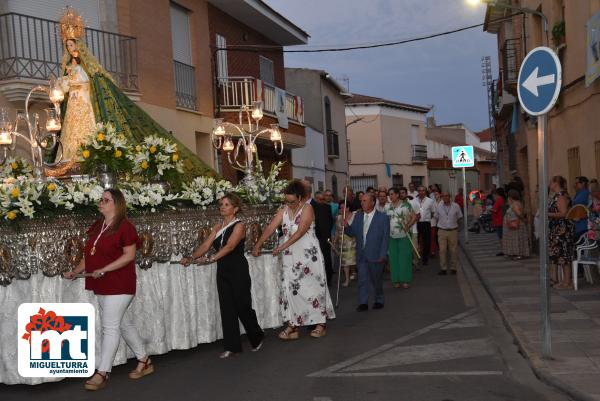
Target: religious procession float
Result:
[94, 137]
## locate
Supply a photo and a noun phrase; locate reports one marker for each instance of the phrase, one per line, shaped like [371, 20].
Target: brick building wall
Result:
[244, 63]
[155, 49]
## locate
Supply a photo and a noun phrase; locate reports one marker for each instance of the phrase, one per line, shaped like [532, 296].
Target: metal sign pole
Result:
[465, 206]
[543, 192]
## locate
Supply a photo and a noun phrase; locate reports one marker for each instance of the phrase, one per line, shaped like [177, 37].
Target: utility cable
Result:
[262, 48]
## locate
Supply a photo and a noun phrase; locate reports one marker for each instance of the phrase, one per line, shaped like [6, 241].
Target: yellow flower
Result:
[15, 192]
[14, 165]
[118, 153]
[85, 154]
[51, 187]
[152, 149]
[138, 148]
[122, 137]
[175, 157]
[11, 215]
[100, 137]
[144, 164]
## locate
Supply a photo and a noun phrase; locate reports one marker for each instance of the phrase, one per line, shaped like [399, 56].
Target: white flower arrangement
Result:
[23, 197]
[147, 196]
[19, 198]
[204, 191]
[264, 189]
[15, 167]
[81, 192]
[156, 156]
[105, 146]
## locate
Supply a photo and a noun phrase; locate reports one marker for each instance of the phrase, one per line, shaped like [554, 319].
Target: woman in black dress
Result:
[233, 277]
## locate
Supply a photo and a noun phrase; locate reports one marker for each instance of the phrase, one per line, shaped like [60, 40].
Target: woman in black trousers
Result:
[233, 277]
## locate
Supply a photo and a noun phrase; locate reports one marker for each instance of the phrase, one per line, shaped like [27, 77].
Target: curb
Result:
[534, 359]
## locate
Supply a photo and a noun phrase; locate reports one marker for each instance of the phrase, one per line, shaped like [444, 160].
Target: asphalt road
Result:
[440, 340]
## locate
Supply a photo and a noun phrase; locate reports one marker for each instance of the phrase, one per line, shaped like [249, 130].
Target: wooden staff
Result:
[409, 236]
[337, 294]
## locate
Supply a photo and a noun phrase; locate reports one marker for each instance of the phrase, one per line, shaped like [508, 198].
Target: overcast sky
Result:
[445, 71]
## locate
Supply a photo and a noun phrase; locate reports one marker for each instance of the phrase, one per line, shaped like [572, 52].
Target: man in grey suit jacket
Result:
[371, 229]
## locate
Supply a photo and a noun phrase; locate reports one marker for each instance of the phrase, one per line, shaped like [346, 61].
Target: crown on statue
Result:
[71, 25]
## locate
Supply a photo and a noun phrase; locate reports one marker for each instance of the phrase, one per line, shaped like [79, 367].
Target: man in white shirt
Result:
[448, 216]
[426, 210]
[412, 191]
[382, 201]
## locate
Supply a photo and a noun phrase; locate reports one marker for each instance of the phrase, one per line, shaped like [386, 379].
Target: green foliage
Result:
[558, 33]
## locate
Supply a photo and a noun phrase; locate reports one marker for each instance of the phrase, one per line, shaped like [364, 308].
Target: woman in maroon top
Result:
[498, 215]
[109, 263]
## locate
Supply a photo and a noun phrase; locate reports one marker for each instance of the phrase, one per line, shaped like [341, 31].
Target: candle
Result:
[56, 95]
[5, 138]
[53, 125]
[228, 145]
[257, 114]
[275, 134]
[257, 110]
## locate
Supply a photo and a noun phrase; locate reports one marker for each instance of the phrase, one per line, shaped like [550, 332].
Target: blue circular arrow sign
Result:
[540, 79]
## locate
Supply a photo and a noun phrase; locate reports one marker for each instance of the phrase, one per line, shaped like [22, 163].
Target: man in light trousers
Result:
[448, 217]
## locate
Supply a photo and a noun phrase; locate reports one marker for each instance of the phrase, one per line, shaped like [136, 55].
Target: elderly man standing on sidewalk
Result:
[448, 217]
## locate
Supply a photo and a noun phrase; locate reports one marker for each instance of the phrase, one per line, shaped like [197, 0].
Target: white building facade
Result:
[309, 162]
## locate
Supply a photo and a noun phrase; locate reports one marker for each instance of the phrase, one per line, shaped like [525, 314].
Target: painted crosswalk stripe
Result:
[396, 354]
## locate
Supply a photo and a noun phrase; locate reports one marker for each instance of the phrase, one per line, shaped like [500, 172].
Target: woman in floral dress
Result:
[561, 242]
[304, 298]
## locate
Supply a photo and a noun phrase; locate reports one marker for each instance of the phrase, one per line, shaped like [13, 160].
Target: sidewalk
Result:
[575, 317]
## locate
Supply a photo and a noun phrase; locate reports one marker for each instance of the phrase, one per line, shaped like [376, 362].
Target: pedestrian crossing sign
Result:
[463, 156]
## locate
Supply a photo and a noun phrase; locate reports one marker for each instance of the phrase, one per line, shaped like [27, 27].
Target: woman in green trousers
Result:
[402, 217]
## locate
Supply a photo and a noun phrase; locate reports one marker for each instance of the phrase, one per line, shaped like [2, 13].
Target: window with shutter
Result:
[267, 71]
[222, 68]
[180, 34]
[398, 180]
[362, 182]
[417, 180]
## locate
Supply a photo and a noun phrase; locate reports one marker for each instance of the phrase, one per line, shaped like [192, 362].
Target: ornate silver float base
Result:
[55, 245]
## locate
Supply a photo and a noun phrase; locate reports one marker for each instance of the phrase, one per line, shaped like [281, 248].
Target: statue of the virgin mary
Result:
[93, 96]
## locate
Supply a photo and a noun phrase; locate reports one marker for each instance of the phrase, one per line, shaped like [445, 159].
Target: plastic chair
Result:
[585, 257]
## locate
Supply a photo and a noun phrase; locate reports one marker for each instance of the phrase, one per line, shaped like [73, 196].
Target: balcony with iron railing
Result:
[235, 92]
[512, 56]
[185, 85]
[419, 153]
[31, 50]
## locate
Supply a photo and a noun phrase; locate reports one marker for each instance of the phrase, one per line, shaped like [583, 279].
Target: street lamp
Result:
[247, 136]
[38, 139]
